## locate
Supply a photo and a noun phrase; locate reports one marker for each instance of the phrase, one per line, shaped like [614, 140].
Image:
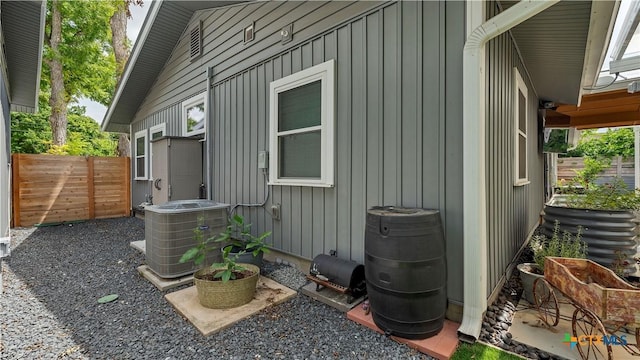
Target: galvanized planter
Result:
[224, 295]
[610, 235]
[528, 277]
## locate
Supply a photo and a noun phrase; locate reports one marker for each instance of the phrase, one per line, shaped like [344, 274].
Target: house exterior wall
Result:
[398, 115]
[5, 160]
[513, 211]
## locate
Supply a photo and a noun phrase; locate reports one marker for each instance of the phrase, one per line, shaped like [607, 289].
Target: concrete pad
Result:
[140, 245]
[441, 346]
[162, 283]
[330, 297]
[210, 321]
[528, 329]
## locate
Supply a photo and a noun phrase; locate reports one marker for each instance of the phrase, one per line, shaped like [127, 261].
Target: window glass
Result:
[522, 109]
[195, 117]
[522, 161]
[300, 107]
[300, 155]
[140, 146]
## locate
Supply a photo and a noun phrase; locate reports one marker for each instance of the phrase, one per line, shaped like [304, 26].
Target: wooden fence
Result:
[53, 188]
[619, 168]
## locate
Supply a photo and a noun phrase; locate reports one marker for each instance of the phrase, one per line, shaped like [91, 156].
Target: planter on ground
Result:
[218, 294]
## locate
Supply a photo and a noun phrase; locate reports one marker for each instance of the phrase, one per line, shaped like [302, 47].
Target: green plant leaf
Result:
[189, 255]
[108, 298]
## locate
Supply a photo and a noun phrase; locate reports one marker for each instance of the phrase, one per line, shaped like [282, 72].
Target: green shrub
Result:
[567, 246]
[610, 196]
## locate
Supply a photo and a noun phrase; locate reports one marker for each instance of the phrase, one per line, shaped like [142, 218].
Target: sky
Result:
[94, 109]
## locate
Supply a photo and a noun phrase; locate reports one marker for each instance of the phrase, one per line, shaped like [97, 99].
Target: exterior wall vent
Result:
[195, 41]
[249, 33]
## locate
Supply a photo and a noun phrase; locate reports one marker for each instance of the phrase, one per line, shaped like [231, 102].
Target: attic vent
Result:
[249, 33]
[195, 42]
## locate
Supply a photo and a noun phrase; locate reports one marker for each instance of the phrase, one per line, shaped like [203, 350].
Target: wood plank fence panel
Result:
[624, 168]
[54, 188]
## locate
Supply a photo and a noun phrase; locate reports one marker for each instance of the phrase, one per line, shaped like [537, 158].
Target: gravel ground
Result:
[49, 309]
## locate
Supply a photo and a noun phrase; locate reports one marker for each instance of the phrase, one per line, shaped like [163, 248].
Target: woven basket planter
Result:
[224, 295]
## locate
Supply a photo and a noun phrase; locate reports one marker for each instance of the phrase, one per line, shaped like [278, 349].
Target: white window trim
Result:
[520, 86]
[326, 73]
[189, 103]
[138, 135]
[157, 128]
[161, 128]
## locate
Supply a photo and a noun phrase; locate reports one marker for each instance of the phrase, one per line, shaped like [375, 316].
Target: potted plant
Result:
[606, 214]
[565, 245]
[227, 284]
[243, 245]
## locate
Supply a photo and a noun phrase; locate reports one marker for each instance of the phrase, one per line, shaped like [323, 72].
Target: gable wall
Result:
[398, 115]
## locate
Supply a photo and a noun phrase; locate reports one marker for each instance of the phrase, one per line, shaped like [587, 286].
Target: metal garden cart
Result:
[604, 305]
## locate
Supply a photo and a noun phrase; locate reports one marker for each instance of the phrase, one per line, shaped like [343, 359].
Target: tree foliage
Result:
[78, 61]
[31, 134]
[84, 49]
[613, 142]
[78, 58]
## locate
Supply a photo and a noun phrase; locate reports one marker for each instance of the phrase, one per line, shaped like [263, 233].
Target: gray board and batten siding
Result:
[398, 115]
[513, 211]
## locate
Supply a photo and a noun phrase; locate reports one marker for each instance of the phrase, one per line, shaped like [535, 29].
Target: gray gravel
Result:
[49, 309]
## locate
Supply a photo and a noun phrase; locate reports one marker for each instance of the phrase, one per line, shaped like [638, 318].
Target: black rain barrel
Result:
[405, 271]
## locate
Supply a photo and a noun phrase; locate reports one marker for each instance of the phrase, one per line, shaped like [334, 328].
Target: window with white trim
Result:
[155, 132]
[302, 108]
[521, 119]
[193, 115]
[140, 152]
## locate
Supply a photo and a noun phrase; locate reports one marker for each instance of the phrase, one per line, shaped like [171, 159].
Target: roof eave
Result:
[31, 87]
[603, 17]
[137, 48]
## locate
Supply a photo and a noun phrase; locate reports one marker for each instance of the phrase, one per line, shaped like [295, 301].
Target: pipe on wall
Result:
[474, 157]
[207, 133]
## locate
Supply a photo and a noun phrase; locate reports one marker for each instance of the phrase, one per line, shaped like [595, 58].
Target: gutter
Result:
[474, 159]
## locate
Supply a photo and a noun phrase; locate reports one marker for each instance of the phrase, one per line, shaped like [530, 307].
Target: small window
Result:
[157, 131]
[141, 155]
[302, 128]
[521, 122]
[193, 115]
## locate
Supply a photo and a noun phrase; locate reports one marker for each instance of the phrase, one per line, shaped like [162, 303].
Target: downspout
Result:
[474, 160]
[208, 132]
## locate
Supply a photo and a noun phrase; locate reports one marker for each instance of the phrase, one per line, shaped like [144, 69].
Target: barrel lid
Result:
[400, 211]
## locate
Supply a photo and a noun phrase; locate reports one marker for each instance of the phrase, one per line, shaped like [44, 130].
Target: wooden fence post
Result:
[15, 186]
[91, 188]
[127, 183]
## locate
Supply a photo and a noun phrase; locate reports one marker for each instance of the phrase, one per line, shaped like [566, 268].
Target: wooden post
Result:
[15, 186]
[91, 188]
[127, 184]
[619, 167]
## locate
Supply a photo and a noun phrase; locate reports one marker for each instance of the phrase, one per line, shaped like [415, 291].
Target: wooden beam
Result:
[607, 120]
